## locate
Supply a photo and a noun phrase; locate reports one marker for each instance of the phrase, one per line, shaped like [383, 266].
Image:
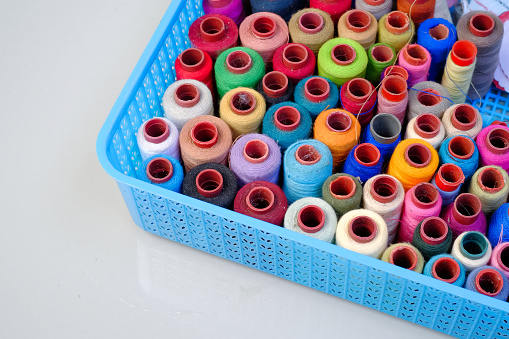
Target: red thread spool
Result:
[209, 183]
[396, 70]
[193, 63]
[343, 54]
[358, 20]
[295, 56]
[192, 59]
[362, 229]
[316, 89]
[287, 118]
[427, 125]
[335, 8]
[490, 180]
[394, 88]
[404, 256]
[397, 22]
[338, 122]
[481, 25]
[275, 84]
[159, 170]
[307, 155]
[187, 95]
[358, 97]
[213, 34]
[295, 60]
[466, 208]
[342, 188]
[311, 219]
[417, 155]
[238, 62]
[461, 147]
[424, 195]
[446, 269]
[498, 140]
[415, 55]
[384, 189]
[212, 29]
[463, 52]
[464, 117]
[449, 177]
[367, 154]
[311, 23]
[434, 230]
[489, 282]
[243, 103]
[260, 199]
[263, 27]
[256, 151]
[156, 131]
[204, 134]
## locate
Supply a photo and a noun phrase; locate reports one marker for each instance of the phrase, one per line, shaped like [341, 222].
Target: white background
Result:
[73, 264]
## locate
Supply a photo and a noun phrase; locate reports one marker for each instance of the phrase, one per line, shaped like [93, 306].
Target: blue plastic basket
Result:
[275, 250]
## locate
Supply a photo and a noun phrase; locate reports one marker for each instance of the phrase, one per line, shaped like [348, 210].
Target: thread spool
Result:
[311, 27]
[413, 161]
[459, 69]
[195, 64]
[385, 133]
[377, 8]
[186, 99]
[427, 97]
[284, 9]
[358, 96]
[263, 32]
[358, 25]
[341, 59]
[362, 231]
[432, 237]
[416, 60]
[384, 194]
[316, 94]
[465, 214]
[462, 151]
[158, 136]
[287, 123]
[393, 97]
[405, 256]
[297, 61]
[472, 249]
[489, 184]
[255, 157]
[395, 70]
[396, 30]
[421, 201]
[339, 130]
[493, 144]
[446, 268]
[448, 181]
[262, 200]
[306, 165]
[380, 56]
[312, 217]
[486, 31]
[438, 36]
[335, 8]
[204, 139]
[489, 281]
[343, 192]
[419, 10]
[500, 258]
[363, 161]
[462, 119]
[212, 183]
[230, 8]
[163, 171]
[427, 127]
[275, 88]
[498, 231]
[243, 110]
[213, 33]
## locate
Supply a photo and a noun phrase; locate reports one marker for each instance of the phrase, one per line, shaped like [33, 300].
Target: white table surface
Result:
[73, 263]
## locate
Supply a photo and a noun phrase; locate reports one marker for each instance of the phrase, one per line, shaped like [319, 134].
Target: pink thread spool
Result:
[424, 195]
[209, 183]
[434, 231]
[307, 155]
[338, 122]
[243, 103]
[159, 170]
[449, 177]
[362, 229]
[397, 22]
[384, 189]
[316, 89]
[498, 141]
[490, 180]
[263, 27]
[342, 188]
[463, 52]
[311, 23]
[417, 60]
[393, 97]
[256, 151]
[260, 199]
[464, 117]
[311, 219]
[404, 256]
[427, 126]
[204, 134]
[358, 20]
[156, 131]
[287, 118]
[500, 258]
[238, 62]
[275, 84]
[343, 55]
[186, 95]
[489, 282]
[446, 269]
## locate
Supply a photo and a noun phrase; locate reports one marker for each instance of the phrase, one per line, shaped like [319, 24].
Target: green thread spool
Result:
[238, 67]
[432, 239]
[343, 192]
[380, 56]
[404, 255]
[342, 59]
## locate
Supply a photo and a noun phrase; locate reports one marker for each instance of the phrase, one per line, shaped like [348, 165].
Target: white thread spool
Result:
[426, 127]
[462, 119]
[472, 249]
[186, 99]
[384, 195]
[362, 231]
[313, 217]
[158, 136]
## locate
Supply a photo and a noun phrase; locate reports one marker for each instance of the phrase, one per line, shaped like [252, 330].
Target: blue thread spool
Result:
[163, 171]
[462, 151]
[316, 94]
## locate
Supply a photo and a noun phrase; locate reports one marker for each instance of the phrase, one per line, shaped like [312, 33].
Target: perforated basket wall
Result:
[325, 267]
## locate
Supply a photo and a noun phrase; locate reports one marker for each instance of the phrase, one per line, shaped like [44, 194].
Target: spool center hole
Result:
[504, 257]
[359, 19]
[242, 101]
[191, 57]
[342, 186]
[428, 99]
[439, 32]
[416, 53]
[445, 270]
[205, 135]
[310, 20]
[382, 53]
[397, 20]
[256, 150]
[482, 22]
[384, 190]
[308, 153]
[159, 168]
[385, 129]
[294, 54]
[464, 114]
[488, 285]
[339, 122]
[489, 179]
[433, 229]
[461, 146]
[403, 258]
[499, 139]
[310, 216]
[156, 130]
[343, 52]
[393, 87]
[472, 247]
[288, 116]
[418, 154]
[186, 92]
[264, 25]
[212, 25]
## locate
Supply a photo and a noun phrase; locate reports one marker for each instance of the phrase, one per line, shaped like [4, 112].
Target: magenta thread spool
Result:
[465, 214]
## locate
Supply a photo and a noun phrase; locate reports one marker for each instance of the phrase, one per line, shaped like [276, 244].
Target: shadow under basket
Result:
[275, 250]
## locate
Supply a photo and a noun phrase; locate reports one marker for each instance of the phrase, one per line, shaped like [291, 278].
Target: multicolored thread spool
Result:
[296, 61]
[343, 192]
[213, 33]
